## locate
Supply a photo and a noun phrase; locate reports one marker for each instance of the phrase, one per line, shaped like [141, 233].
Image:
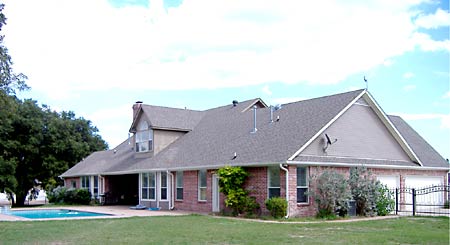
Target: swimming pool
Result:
[53, 213]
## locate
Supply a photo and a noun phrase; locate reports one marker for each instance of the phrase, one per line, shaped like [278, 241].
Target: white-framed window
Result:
[202, 185]
[144, 137]
[302, 185]
[273, 179]
[85, 183]
[179, 185]
[163, 186]
[95, 187]
[148, 186]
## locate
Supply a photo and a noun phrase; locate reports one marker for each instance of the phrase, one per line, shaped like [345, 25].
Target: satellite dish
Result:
[277, 107]
[328, 142]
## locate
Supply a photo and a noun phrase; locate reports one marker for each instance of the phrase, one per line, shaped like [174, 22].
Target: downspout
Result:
[287, 189]
[171, 200]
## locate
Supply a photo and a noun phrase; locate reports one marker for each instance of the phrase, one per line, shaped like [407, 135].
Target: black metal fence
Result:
[433, 200]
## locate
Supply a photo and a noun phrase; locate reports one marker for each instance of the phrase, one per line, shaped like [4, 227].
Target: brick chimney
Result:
[136, 108]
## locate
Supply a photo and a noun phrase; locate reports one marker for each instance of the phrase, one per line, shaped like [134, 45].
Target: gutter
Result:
[171, 199]
[287, 189]
[335, 164]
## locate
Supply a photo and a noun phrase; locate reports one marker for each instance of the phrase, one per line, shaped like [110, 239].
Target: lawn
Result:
[211, 230]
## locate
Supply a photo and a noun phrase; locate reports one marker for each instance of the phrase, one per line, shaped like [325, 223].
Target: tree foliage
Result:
[365, 191]
[331, 193]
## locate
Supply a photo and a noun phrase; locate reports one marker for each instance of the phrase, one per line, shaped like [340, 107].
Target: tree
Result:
[41, 145]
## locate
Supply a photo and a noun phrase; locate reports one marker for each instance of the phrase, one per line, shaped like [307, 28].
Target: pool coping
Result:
[113, 212]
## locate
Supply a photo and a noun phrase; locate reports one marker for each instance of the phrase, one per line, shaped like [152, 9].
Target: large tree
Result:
[36, 144]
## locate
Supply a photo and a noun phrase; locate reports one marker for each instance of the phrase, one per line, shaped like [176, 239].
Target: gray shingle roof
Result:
[216, 134]
[424, 151]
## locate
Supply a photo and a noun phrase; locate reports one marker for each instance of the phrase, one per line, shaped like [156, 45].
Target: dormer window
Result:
[144, 137]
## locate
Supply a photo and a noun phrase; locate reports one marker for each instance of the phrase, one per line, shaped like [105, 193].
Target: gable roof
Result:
[215, 135]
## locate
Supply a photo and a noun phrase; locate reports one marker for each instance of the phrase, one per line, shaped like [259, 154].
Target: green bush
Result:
[365, 190]
[446, 204]
[69, 196]
[385, 203]
[331, 194]
[277, 206]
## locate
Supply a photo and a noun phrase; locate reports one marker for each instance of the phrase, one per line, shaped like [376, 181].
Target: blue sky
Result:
[97, 58]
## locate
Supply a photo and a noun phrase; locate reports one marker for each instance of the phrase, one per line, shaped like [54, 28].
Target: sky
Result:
[97, 58]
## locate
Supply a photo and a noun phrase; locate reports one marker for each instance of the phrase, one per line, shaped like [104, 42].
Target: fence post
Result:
[414, 201]
[396, 201]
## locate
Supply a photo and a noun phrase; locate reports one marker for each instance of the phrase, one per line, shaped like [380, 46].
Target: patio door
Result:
[215, 194]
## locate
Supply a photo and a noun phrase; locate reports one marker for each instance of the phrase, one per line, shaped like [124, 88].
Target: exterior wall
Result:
[190, 200]
[163, 138]
[68, 182]
[360, 134]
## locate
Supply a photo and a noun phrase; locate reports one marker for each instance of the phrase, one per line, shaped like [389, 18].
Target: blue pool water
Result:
[53, 213]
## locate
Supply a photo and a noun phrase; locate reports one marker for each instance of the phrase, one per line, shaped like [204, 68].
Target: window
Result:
[202, 185]
[179, 193]
[85, 182]
[74, 184]
[95, 193]
[302, 185]
[274, 181]
[148, 186]
[144, 137]
[163, 186]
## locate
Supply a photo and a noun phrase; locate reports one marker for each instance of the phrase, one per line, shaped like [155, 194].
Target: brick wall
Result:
[68, 182]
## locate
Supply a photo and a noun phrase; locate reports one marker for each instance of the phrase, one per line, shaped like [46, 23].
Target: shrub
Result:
[384, 203]
[57, 194]
[331, 194]
[69, 196]
[365, 191]
[277, 207]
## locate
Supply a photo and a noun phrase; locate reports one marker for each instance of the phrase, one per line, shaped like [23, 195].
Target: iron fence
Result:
[432, 200]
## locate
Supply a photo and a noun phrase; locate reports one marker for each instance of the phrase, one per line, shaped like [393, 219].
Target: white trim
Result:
[306, 186]
[155, 181]
[198, 185]
[176, 185]
[326, 126]
[286, 171]
[357, 158]
[255, 102]
[334, 164]
[392, 129]
[268, 180]
[160, 182]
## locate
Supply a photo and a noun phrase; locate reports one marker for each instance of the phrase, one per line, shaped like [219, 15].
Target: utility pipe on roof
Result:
[171, 200]
[287, 188]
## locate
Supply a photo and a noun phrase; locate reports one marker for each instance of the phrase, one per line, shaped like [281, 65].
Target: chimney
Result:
[235, 102]
[136, 108]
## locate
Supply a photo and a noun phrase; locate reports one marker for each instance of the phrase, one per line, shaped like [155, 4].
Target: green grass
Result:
[212, 230]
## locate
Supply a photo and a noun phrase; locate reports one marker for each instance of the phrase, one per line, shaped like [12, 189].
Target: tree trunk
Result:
[20, 200]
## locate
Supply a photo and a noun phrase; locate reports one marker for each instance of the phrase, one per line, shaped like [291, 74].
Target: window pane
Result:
[144, 180]
[179, 178]
[151, 179]
[144, 193]
[163, 179]
[202, 178]
[274, 177]
[163, 193]
[179, 193]
[301, 176]
[151, 193]
[274, 192]
[203, 194]
[301, 195]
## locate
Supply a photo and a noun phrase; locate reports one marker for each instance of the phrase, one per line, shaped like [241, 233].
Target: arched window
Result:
[144, 137]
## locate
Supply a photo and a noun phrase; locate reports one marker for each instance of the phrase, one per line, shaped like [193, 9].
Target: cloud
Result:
[285, 100]
[266, 90]
[441, 18]
[446, 95]
[408, 75]
[409, 87]
[67, 47]
[445, 119]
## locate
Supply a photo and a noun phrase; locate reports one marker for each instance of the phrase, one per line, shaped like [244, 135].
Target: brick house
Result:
[171, 159]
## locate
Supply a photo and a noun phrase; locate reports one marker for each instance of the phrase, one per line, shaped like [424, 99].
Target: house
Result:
[170, 162]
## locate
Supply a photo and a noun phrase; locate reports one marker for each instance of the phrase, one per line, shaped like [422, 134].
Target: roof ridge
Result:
[172, 108]
[327, 96]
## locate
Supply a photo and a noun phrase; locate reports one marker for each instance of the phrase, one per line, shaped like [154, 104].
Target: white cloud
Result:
[67, 47]
[441, 18]
[285, 100]
[409, 87]
[445, 119]
[408, 75]
[446, 95]
[266, 90]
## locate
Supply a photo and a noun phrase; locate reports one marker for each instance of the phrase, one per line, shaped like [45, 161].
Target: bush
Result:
[69, 196]
[446, 204]
[331, 194]
[385, 203]
[365, 191]
[277, 207]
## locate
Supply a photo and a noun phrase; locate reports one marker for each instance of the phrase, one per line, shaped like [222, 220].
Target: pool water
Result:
[53, 213]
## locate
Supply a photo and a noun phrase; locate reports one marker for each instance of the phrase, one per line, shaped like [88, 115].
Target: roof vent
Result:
[254, 119]
[235, 102]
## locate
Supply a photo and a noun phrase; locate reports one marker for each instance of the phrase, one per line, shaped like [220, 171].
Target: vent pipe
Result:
[254, 119]
[271, 114]
[235, 102]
